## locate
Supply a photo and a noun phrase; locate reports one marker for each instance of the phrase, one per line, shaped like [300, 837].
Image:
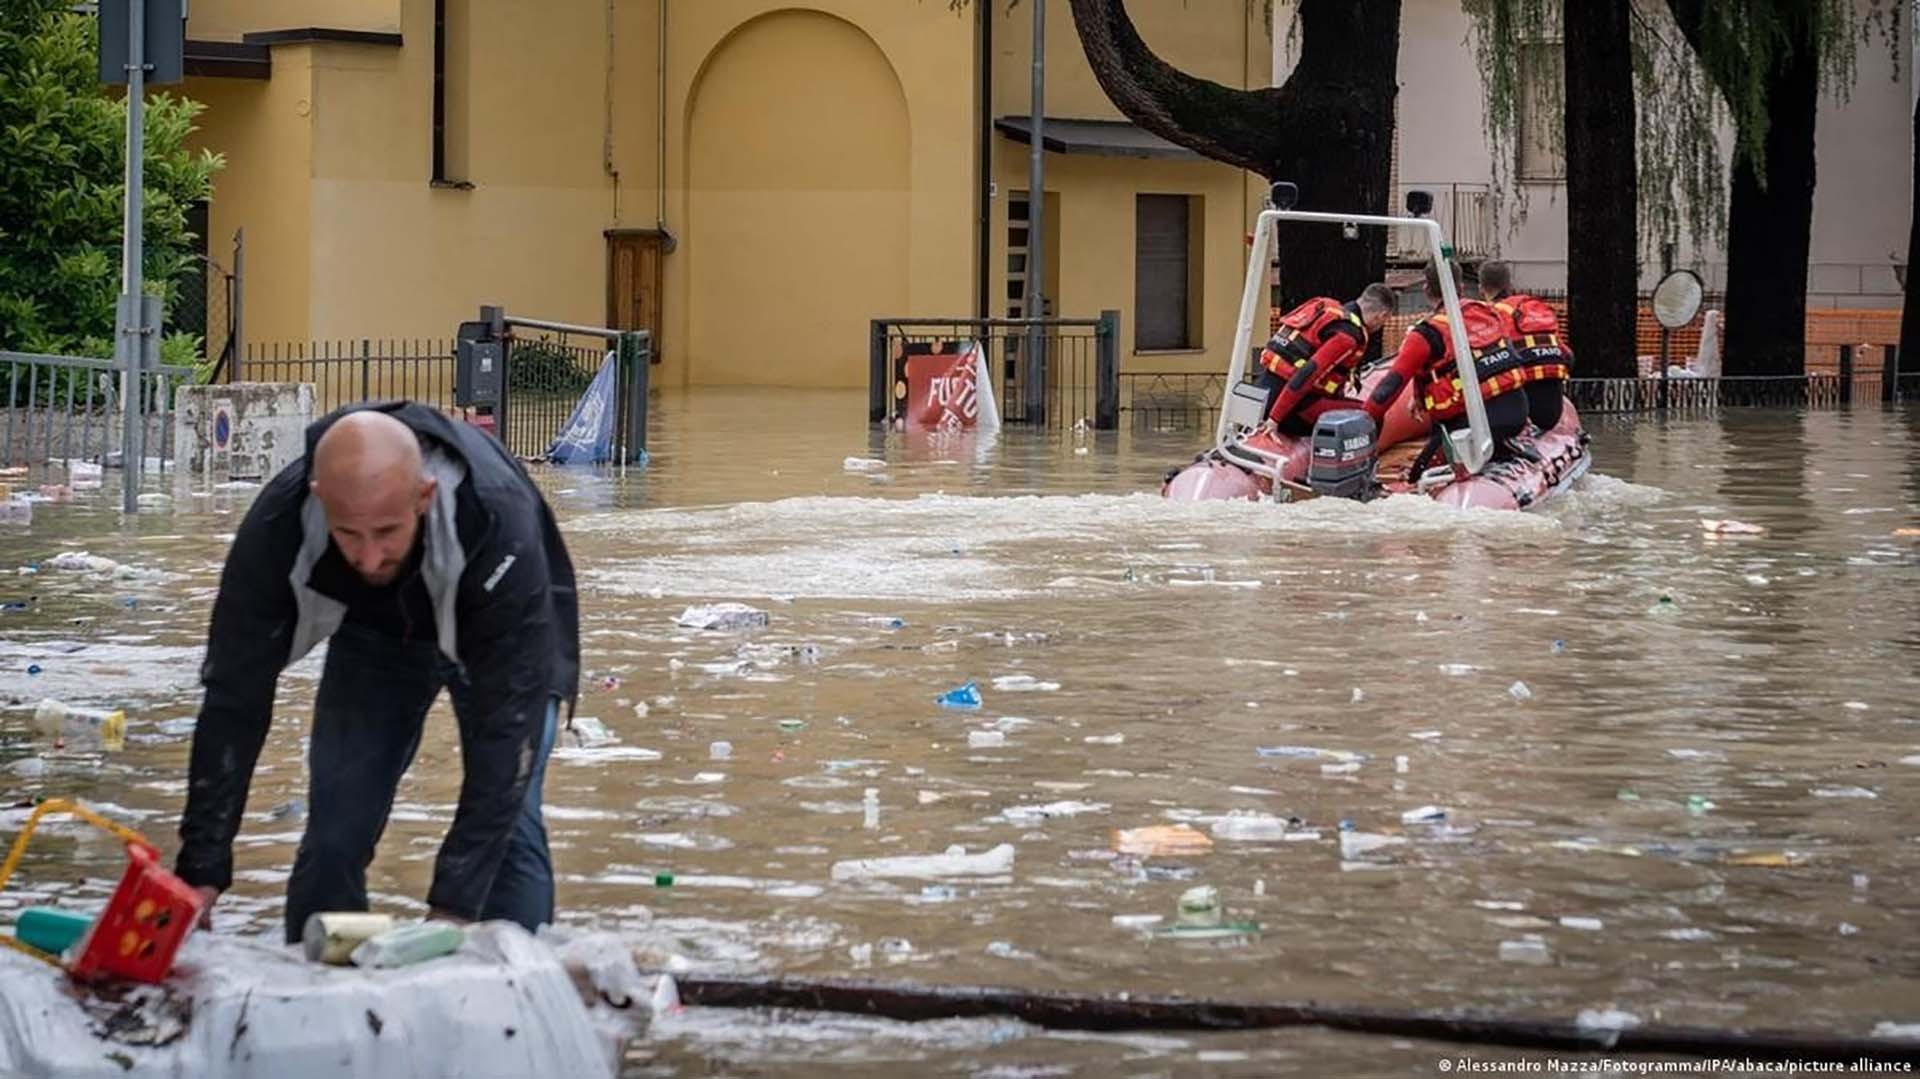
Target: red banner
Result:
[943, 392]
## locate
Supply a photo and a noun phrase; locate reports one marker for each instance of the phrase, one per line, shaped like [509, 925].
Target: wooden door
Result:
[634, 276]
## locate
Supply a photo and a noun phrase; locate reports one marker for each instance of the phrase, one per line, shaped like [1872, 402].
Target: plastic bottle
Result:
[80, 728]
[1199, 906]
[332, 937]
[51, 929]
[720, 751]
[409, 944]
[870, 805]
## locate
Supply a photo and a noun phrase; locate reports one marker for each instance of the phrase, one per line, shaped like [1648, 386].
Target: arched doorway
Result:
[797, 186]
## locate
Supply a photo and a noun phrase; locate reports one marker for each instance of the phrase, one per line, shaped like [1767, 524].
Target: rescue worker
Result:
[1308, 362]
[1533, 327]
[421, 549]
[1427, 360]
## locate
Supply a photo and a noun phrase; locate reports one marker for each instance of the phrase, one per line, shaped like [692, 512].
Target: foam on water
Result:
[968, 547]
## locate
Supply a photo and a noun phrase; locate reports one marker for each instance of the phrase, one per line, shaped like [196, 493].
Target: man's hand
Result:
[207, 894]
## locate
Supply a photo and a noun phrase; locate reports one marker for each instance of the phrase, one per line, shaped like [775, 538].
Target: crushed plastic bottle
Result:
[722, 616]
[1530, 950]
[955, 862]
[986, 739]
[719, 751]
[1356, 844]
[73, 727]
[961, 697]
[1315, 753]
[1519, 692]
[1199, 906]
[1249, 827]
[1424, 815]
[586, 732]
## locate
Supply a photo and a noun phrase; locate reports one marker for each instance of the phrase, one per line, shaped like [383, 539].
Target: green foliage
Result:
[62, 184]
[1686, 95]
[541, 365]
[1682, 176]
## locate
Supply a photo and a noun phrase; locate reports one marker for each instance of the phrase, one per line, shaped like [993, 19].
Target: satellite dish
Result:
[1677, 299]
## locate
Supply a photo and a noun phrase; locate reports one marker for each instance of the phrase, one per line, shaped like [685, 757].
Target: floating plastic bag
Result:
[504, 1004]
[587, 436]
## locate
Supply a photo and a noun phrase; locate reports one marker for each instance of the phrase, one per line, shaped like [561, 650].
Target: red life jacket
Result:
[1303, 330]
[1534, 329]
[1500, 368]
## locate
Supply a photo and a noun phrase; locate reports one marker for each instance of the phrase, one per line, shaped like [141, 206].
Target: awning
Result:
[1104, 138]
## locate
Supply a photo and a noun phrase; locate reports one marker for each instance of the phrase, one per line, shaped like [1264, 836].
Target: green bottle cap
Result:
[663, 880]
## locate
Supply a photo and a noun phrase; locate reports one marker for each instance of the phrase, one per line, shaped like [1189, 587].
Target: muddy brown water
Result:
[1719, 791]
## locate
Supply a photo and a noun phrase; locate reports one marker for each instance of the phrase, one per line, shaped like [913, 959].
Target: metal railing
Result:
[1885, 384]
[1058, 371]
[1469, 213]
[1179, 402]
[68, 407]
[349, 371]
[1171, 401]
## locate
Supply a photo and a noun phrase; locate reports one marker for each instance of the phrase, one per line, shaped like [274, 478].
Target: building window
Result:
[1166, 272]
[1542, 146]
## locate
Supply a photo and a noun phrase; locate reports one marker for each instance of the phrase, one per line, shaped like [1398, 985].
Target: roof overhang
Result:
[1101, 138]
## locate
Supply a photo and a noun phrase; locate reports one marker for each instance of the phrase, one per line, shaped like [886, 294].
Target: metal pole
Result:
[239, 287]
[132, 327]
[1666, 335]
[1037, 221]
[1106, 412]
[879, 385]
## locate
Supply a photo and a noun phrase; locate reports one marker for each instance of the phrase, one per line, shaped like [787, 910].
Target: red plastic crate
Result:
[148, 918]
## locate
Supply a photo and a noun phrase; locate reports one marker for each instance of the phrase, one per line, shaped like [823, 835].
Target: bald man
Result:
[419, 549]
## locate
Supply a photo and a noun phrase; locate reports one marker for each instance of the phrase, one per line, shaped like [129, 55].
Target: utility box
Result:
[479, 365]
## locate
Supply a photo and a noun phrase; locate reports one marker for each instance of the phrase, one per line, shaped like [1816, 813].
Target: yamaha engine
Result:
[1344, 456]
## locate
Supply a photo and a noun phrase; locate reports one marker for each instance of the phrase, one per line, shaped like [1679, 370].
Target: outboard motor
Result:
[1344, 456]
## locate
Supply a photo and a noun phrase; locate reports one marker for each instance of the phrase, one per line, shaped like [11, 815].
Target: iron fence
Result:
[1055, 371]
[350, 371]
[547, 372]
[1171, 401]
[1161, 401]
[68, 407]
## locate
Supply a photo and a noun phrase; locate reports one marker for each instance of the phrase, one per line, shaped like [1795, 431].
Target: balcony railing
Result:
[1468, 212]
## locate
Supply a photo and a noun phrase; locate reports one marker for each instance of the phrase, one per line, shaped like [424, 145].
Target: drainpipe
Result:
[660, 212]
[983, 287]
[606, 138]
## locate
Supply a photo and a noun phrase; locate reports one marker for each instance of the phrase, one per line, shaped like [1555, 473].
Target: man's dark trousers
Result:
[374, 695]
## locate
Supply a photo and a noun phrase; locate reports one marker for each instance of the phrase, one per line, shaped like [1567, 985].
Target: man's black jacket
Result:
[518, 641]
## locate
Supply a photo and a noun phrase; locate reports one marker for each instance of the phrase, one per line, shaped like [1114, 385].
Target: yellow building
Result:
[753, 180]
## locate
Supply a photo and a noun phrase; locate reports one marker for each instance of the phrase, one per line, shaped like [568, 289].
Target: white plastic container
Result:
[73, 727]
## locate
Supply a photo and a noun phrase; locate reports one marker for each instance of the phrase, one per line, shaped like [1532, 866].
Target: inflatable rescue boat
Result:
[1345, 457]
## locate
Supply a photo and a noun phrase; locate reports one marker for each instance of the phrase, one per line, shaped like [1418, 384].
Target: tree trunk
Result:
[1329, 128]
[1603, 278]
[1909, 310]
[1770, 218]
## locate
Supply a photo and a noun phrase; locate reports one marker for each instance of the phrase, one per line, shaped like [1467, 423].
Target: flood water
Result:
[1718, 790]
